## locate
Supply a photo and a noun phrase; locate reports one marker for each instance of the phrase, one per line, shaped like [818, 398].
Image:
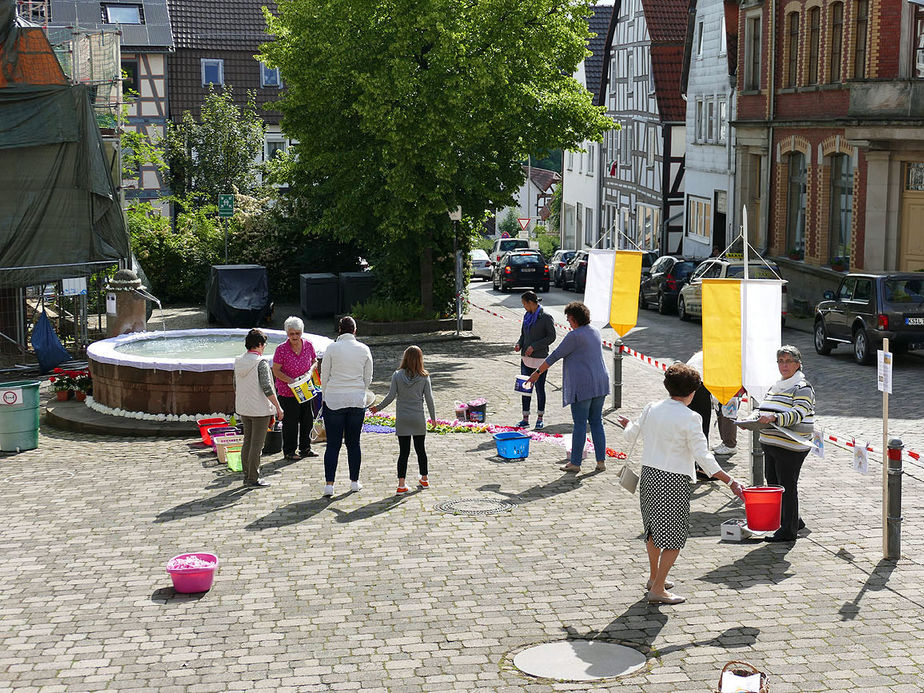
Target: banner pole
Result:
[885, 463]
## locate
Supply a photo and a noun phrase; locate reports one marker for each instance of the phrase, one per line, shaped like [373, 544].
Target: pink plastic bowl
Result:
[190, 580]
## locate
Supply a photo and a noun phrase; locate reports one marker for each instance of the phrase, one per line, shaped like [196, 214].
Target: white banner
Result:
[599, 286]
[761, 306]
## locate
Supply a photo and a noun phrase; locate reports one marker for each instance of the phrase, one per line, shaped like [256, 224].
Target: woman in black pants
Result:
[536, 336]
[790, 405]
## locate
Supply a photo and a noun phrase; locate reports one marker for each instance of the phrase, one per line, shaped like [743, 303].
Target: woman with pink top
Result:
[291, 360]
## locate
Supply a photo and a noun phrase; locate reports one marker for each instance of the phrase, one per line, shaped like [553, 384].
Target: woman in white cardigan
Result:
[673, 444]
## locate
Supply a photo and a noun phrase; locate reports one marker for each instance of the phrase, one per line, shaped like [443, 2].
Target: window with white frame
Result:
[698, 122]
[570, 163]
[630, 77]
[269, 76]
[580, 161]
[723, 120]
[274, 147]
[710, 120]
[589, 231]
[591, 146]
[647, 221]
[723, 38]
[699, 39]
[213, 71]
[699, 217]
[625, 151]
[652, 145]
[122, 14]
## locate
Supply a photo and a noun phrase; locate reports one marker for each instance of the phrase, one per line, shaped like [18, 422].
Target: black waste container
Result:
[238, 295]
[355, 287]
[320, 294]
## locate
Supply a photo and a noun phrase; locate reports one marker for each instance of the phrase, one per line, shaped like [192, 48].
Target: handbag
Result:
[318, 433]
[627, 478]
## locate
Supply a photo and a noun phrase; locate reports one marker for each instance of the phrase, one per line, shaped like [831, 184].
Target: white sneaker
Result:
[355, 486]
[723, 449]
[328, 490]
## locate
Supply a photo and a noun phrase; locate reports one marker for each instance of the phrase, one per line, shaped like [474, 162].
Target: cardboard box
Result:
[735, 530]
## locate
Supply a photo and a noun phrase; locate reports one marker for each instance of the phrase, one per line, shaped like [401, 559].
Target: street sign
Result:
[226, 205]
[524, 223]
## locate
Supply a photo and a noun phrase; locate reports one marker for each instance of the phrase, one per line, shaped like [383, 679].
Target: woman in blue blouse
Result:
[586, 383]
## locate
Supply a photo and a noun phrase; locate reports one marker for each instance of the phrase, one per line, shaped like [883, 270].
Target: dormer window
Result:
[269, 76]
[122, 14]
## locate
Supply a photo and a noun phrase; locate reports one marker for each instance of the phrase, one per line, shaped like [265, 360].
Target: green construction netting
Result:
[59, 209]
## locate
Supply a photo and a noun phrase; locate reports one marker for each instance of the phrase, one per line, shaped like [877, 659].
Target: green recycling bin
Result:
[19, 415]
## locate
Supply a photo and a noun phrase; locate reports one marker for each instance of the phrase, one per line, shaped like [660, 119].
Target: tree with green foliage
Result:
[215, 154]
[508, 223]
[404, 110]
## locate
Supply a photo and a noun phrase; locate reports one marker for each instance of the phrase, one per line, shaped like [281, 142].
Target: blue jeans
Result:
[584, 412]
[340, 424]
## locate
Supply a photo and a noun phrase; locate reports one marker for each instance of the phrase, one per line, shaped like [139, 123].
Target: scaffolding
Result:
[92, 57]
[35, 11]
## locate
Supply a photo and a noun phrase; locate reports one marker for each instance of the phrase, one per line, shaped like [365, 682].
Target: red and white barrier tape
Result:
[841, 441]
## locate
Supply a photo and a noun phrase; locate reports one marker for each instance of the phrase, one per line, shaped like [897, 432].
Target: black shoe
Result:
[779, 538]
[309, 453]
[293, 456]
[257, 484]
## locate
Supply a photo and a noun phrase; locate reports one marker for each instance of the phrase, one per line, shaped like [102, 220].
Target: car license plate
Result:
[528, 270]
[914, 321]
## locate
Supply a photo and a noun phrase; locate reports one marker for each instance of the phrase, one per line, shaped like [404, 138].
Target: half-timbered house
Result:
[643, 184]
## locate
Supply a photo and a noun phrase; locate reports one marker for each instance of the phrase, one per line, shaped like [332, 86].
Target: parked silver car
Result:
[481, 264]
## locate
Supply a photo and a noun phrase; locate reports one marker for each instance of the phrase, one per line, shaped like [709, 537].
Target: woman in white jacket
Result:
[255, 402]
[673, 444]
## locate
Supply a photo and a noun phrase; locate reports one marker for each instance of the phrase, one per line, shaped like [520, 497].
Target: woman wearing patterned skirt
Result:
[673, 444]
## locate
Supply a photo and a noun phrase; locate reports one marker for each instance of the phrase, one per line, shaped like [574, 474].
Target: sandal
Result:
[293, 456]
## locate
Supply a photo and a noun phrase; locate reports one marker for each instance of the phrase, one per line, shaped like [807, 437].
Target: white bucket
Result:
[301, 388]
[522, 386]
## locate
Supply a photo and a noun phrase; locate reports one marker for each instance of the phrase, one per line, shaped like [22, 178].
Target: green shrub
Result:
[383, 310]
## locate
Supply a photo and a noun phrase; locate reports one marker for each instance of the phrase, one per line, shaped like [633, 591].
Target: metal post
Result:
[458, 255]
[617, 373]
[893, 528]
[225, 225]
[757, 460]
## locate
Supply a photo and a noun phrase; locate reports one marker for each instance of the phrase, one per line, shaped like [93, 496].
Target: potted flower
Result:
[840, 263]
[83, 383]
[62, 382]
[796, 254]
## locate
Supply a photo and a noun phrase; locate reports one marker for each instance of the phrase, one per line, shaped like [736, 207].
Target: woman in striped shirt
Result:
[790, 406]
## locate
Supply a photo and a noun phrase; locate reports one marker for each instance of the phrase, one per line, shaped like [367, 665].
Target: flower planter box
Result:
[368, 328]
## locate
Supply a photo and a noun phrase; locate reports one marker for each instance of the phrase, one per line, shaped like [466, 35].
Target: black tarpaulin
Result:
[238, 295]
[59, 209]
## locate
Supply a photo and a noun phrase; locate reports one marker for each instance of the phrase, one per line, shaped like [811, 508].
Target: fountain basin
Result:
[174, 372]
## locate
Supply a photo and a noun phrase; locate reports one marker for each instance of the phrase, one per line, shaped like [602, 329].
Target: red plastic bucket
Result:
[205, 424]
[762, 506]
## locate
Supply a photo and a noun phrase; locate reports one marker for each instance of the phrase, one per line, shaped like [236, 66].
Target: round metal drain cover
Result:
[579, 660]
[474, 506]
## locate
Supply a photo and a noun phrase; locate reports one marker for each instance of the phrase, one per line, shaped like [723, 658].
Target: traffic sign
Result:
[226, 205]
[524, 223]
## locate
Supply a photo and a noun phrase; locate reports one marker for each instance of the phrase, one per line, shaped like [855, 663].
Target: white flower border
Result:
[145, 416]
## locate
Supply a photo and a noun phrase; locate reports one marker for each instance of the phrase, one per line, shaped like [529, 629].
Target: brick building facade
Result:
[830, 129]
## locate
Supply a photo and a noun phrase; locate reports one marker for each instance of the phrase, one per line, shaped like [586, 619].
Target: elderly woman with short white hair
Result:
[291, 360]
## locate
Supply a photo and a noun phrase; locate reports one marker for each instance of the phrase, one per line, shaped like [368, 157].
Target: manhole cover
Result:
[474, 506]
[579, 660]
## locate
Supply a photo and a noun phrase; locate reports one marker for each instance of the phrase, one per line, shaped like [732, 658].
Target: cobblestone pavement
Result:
[371, 592]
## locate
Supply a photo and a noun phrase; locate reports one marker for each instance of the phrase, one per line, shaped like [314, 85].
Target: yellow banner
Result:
[722, 337]
[627, 275]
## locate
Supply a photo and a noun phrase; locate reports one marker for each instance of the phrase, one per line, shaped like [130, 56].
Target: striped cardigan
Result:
[793, 401]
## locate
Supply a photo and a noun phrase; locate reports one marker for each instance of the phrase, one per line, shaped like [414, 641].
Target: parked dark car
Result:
[869, 307]
[524, 268]
[574, 274]
[557, 263]
[661, 283]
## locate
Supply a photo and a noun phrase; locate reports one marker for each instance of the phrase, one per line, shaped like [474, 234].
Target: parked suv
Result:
[557, 262]
[869, 307]
[503, 245]
[574, 273]
[521, 268]
[661, 284]
[690, 300]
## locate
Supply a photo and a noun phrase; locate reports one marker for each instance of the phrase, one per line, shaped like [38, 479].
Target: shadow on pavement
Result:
[642, 622]
[765, 564]
[292, 514]
[165, 595]
[877, 580]
[563, 484]
[203, 506]
[372, 509]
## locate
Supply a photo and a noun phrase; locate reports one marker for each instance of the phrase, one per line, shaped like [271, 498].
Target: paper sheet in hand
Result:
[751, 424]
